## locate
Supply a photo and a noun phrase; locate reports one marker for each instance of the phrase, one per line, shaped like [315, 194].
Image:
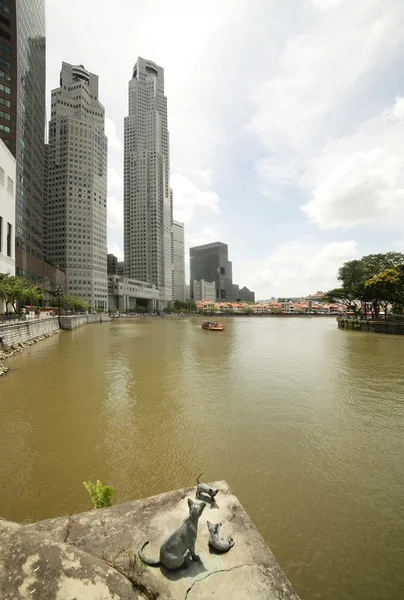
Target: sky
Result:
[286, 123]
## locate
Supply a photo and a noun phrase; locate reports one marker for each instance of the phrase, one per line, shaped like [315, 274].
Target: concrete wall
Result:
[73, 321]
[394, 327]
[22, 332]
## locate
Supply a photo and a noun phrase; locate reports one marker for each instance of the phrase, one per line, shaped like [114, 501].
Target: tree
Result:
[354, 274]
[14, 290]
[187, 306]
[74, 303]
[344, 296]
[387, 287]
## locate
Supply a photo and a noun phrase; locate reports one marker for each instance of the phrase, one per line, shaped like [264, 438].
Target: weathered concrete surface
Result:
[37, 568]
[248, 570]
[394, 327]
[17, 333]
[73, 321]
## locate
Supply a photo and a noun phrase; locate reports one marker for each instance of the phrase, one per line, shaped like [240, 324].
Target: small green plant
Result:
[101, 495]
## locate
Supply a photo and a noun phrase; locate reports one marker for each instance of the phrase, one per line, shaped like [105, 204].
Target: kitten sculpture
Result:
[204, 488]
[220, 544]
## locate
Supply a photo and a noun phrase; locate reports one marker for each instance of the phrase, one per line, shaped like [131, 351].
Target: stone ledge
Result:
[248, 571]
[39, 568]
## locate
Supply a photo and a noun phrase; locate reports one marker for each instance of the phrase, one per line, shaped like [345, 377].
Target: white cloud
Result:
[327, 4]
[114, 213]
[205, 177]
[115, 181]
[297, 268]
[117, 251]
[188, 198]
[364, 188]
[110, 131]
[313, 96]
[320, 67]
[396, 112]
[206, 235]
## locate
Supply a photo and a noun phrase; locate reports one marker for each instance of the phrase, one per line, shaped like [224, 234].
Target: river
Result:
[304, 421]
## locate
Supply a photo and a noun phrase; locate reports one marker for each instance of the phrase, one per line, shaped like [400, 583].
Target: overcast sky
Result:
[286, 122]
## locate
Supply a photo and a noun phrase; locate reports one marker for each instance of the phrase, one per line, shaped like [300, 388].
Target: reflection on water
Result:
[304, 421]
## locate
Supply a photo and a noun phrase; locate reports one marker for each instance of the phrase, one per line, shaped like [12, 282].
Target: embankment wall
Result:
[382, 326]
[19, 333]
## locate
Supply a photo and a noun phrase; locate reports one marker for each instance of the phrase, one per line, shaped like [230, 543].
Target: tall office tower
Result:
[112, 264]
[77, 185]
[22, 122]
[211, 263]
[178, 262]
[147, 194]
[7, 212]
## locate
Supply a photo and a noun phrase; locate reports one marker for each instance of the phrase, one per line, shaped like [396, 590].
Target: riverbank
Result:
[211, 314]
[56, 556]
[389, 326]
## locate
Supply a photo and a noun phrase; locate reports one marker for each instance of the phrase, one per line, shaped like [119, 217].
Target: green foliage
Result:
[343, 295]
[74, 303]
[187, 306]
[387, 286]
[101, 495]
[248, 310]
[140, 309]
[14, 290]
[363, 282]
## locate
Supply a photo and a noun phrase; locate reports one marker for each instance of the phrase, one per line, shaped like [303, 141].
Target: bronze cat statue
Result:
[172, 551]
[204, 488]
[220, 544]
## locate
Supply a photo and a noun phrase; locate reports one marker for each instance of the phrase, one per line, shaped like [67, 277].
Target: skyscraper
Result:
[211, 263]
[7, 212]
[147, 194]
[178, 262]
[77, 185]
[22, 122]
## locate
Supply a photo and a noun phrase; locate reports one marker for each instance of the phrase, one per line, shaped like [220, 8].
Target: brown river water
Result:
[305, 422]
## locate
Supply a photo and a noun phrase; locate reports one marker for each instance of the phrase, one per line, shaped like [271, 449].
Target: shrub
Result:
[101, 495]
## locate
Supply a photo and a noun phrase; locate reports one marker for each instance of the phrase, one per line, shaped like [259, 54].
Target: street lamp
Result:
[59, 294]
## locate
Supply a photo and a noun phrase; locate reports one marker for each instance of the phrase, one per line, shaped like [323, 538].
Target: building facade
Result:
[204, 290]
[236, 291]
[22, 123]
[211, 263]
[7, 211]
[120, 268]
[246, 295]
[178, 261]
[112, 264]
[147, 195]
[76, 237]
[126, 294]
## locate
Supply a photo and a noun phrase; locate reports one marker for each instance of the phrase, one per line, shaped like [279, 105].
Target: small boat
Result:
[213, 326]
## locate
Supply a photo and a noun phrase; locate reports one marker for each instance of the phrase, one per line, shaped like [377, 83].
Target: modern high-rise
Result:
[7, 212]
[77, 185]
[22, 122]
[112, 264]
[178, 273]
[147, 194]
[211, 263]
